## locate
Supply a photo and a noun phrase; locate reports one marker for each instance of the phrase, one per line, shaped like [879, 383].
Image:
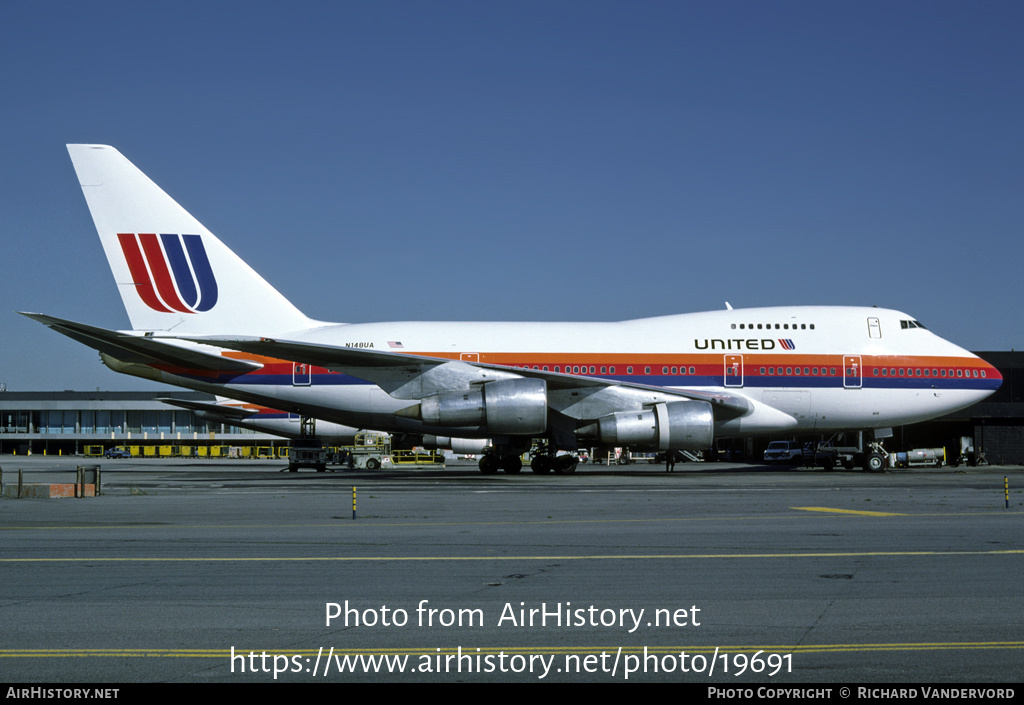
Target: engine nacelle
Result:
[676, 425]
[506, 407]
[462, 446]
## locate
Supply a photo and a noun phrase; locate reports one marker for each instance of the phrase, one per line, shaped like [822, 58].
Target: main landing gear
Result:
[490, 463]
[561, 464]
[547, 459]
[508, 458]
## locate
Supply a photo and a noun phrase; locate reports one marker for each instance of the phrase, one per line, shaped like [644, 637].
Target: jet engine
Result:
[676, 425]
[462, 446]
[512, 407]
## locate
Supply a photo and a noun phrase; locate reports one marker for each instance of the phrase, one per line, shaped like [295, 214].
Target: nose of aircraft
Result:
[988, 378]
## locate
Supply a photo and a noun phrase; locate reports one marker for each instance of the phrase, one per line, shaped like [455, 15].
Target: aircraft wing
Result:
[409, 376]
[142, 349]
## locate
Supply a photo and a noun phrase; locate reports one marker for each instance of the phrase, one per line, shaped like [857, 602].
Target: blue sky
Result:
[556, 160]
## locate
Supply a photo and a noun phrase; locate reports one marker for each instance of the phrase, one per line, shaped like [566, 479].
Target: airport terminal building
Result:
[82, 422]
[996, 424]
[70, 422]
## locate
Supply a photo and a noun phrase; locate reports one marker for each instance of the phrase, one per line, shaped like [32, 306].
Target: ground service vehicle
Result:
[307, 453]
[935, 457]
[783, 452]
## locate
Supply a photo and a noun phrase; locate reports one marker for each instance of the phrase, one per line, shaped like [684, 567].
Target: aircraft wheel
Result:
[512, 464]
[565, 465]
[541, 464]
[875, 462]
[488, 464]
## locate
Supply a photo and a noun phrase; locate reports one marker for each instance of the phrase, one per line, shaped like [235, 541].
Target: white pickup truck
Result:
[783, 453]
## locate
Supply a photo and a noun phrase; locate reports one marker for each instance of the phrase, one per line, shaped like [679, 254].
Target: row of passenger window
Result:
[605, 370]
[777, 326]
[926, 372]
[796, 371]
[774, 371]
[878, 372]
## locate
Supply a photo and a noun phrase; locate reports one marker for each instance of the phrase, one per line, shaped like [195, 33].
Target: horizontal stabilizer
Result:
[229, 411]
[142, 349]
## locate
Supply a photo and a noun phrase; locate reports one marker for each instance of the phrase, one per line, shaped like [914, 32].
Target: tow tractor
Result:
[872, 457]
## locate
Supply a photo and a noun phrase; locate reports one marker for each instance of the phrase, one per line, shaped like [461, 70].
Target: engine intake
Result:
[506, 407]
[676, 425]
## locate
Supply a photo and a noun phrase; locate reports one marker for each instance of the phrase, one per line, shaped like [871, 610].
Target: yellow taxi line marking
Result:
[849, 511]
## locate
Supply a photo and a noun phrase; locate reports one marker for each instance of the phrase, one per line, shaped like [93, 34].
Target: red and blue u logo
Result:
[170, 272]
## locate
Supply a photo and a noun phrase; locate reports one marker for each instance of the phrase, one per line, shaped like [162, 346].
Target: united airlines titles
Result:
[734, 344]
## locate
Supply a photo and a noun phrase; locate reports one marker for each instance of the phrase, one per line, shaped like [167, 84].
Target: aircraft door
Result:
[733, 370]
[302, 374]
[852, 373]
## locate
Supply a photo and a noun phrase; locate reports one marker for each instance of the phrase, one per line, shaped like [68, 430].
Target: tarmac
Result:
[730, 574]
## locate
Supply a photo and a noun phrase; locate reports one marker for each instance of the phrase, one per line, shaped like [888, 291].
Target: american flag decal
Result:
[395, 344]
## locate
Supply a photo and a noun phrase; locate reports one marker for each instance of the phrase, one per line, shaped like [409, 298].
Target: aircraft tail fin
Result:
[172, 273]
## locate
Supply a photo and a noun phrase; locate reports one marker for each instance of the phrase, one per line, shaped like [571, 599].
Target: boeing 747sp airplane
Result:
[203, 319]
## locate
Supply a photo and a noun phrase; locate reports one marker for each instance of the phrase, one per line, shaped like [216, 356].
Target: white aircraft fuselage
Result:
[801, 368]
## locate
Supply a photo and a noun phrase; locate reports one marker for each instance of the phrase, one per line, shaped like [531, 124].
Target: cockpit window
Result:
[912, 324]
